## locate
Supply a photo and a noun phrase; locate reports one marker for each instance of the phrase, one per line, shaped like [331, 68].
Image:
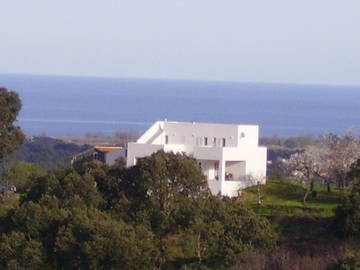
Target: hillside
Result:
[47, 152]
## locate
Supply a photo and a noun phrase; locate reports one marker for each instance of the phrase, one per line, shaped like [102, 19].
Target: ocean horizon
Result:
[74, 106]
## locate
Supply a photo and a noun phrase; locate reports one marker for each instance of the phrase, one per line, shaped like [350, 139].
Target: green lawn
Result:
[283, 198]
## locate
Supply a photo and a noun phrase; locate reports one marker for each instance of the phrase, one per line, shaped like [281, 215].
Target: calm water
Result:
[76, 105]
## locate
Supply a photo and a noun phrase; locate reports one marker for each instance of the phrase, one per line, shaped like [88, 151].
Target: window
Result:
[166, 139]
[205, 141]
[223, 142]
[214, 141]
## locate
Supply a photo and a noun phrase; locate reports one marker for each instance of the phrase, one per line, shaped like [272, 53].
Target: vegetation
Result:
[155, 215]
[20, 174]
[160, 214]
[348, 213]
[11, 135]
[281, 197]
[299, 142]
[46, 153]
[119, 137]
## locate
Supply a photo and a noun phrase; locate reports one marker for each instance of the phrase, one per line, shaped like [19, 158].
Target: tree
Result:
[348, 213]
[225, 228]
[340, 154]
[21, 173]
[74, 238]
[91, 239]
[163, 187]
[18, 252]
[257, 181]
[348, 216]
[304, 167]
[71, 188]
[11, 135]
[354, 175]
[329, 161]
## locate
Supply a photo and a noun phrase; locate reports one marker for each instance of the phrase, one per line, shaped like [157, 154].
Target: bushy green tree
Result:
[71, 188]
[18, 252]
[165, 183]
[157, 214]
[11, 135]
[354, 176]
[347, 219]
[224, 229]
[21, 173]
[93, 240]
[81, 238]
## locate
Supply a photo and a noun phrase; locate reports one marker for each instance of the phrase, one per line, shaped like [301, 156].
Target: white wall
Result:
[111, 157]
[248, 135]
[194, 133]
[135, 150]
[176, 148]
[241, 145]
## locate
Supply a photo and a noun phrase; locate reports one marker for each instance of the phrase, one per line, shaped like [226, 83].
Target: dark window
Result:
[166, 139]
[206, 141]
[223, 142]
[214, 141]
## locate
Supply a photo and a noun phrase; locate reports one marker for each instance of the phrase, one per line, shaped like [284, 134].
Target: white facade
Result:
[229, 155]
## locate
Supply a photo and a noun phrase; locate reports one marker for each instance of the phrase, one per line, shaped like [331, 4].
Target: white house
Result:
[229, 155]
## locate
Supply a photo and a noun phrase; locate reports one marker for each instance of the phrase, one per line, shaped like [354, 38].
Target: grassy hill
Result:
[284, 198]
[304, 229]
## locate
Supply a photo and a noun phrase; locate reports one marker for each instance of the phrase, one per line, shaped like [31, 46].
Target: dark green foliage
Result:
[158, 214]
[70, 188]
[47, 153]
[354, 176]
[11, 135]
[20, 174]
[346, 263]
[348, 213]
[92, 240]
[223, 229]
[348, 216]
[18, 252]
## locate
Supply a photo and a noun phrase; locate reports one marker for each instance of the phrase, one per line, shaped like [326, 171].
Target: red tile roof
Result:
[106, 149]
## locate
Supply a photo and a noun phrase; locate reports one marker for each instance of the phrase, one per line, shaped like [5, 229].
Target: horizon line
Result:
[178, 80]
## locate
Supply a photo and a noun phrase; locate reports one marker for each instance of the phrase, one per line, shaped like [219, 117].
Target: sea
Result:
[76, 106]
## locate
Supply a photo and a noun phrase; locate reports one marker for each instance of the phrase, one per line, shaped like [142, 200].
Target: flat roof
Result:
[206, 123]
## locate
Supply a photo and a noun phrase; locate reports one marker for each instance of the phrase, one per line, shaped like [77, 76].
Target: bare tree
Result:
[339, 154]
[257, 181]
[300, 166]
[330, 161]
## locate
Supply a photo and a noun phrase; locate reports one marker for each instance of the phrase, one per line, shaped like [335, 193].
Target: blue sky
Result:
[298, 41]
